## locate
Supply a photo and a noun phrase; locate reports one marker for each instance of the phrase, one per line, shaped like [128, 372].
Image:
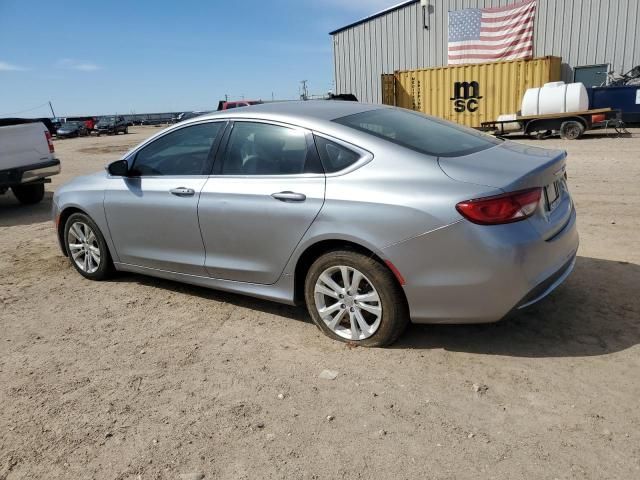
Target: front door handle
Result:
[289, 196]
[183, 192]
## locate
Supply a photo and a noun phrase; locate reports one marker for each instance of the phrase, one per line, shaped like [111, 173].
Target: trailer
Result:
[570, 125]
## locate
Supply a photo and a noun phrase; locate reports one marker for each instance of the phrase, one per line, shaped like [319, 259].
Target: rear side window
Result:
[334, 157]
[265, 149]
[419, 132]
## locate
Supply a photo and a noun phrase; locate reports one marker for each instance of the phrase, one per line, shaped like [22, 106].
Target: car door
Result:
[268, 186]
[152, 213]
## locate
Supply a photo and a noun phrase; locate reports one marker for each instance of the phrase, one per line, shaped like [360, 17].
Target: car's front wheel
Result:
[87, 247]
[355, 298]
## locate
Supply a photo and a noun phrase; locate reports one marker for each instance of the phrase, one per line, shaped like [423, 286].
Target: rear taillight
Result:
[49, 141]
[507, 208]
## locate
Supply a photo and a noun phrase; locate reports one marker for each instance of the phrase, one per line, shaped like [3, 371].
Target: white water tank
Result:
[510, 124]
[555, 97]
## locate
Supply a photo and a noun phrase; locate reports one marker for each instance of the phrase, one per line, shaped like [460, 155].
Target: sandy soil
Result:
[139, 378]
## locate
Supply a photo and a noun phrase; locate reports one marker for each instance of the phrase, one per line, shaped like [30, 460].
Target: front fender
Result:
[84, 194]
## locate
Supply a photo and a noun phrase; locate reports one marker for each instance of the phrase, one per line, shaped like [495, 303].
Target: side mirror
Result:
[119, 168]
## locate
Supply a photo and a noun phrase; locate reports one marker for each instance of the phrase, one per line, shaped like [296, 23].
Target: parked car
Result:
[371, 215]
[72, 129]
[224, 105]
[346, 97]
[27, 160]
[111, 125]
[57, 123]
[189, 115]
[154, 121]
[90, 124]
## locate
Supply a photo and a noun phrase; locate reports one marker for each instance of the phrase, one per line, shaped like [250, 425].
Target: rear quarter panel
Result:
[398, 195]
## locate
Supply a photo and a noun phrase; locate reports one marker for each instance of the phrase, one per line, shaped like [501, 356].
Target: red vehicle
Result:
[223, 105]
[89, 122]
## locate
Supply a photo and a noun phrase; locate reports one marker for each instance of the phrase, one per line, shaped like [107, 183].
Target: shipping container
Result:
[470, 94]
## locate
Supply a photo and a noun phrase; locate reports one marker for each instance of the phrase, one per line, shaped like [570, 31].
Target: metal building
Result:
[591, 36]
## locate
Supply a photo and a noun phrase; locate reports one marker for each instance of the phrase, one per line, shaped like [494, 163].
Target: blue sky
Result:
[118, 56]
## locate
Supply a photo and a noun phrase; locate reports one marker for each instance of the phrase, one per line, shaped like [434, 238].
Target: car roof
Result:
[307, 114]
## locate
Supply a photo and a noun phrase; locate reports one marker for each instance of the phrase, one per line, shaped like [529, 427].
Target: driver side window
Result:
[182, 152]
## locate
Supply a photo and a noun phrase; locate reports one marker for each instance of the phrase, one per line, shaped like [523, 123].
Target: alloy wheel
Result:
[347, 302]
[83, 247]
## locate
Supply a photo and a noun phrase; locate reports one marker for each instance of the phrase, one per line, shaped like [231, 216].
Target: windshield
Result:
[419, 132]
[107, 119]
[70, 125]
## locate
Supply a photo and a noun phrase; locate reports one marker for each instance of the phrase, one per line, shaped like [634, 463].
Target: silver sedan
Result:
[373, 216]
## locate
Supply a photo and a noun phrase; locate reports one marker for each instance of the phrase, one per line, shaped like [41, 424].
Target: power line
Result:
[46, 104]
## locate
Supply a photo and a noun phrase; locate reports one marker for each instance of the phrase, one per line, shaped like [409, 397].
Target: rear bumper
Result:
[467, 273]
[549, 285]
[29, 173]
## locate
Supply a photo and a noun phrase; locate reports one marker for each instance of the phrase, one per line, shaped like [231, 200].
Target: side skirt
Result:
[281, 291]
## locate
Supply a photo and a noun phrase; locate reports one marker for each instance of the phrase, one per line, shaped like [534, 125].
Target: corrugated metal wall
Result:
[582, 32]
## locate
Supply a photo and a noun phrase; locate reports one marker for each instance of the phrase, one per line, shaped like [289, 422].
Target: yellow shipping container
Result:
[469, 94]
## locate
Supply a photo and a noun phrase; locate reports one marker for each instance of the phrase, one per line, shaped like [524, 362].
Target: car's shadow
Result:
[288, 311]
[13, 213]
[596, 312]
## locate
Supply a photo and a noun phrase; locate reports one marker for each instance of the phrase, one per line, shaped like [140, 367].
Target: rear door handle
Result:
[183, 192]
[289, 196]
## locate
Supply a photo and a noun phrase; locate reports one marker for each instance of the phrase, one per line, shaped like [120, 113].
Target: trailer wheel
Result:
[571, 130]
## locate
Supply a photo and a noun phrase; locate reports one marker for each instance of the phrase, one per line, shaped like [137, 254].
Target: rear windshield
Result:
[420, 133]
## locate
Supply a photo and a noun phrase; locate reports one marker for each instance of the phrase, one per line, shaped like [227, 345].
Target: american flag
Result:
[479, 35]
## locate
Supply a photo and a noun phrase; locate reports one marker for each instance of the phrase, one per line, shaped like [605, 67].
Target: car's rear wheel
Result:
[87, 247]
[354, 298]
[29, 194]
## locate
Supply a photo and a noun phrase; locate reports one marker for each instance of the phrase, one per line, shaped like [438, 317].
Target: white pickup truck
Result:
[27, 159]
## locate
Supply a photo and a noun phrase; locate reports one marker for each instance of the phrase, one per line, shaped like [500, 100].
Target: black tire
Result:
[395, 315]
[571, 130]
[126, 130]
[29, 194]
[105, 266]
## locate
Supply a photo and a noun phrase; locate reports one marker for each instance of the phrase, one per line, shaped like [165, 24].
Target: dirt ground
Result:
[139, 378]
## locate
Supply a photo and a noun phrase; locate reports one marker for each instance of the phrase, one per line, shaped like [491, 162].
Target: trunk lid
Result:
[510, 167]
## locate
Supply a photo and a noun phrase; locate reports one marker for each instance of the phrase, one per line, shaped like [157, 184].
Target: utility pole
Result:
[53, 114]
